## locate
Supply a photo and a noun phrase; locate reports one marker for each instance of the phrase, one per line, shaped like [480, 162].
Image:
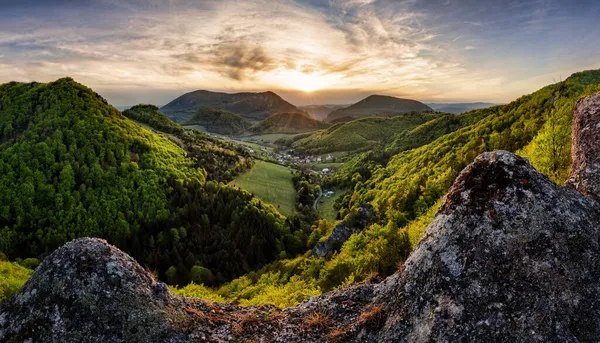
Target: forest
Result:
[73, 166]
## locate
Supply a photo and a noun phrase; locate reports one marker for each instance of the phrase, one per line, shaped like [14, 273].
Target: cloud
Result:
[240, 60]
[406, 48]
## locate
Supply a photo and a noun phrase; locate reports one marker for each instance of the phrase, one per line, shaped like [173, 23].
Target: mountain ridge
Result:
[249, 105]
[379, 105]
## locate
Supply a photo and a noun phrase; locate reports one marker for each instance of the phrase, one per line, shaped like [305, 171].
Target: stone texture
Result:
[585, 147]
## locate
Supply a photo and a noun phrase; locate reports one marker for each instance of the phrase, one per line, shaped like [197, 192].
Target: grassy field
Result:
[325, 205]
[272, 184]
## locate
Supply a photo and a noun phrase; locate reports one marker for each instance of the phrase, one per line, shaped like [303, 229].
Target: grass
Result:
[12, 277]
[272, 184]
[325, 205]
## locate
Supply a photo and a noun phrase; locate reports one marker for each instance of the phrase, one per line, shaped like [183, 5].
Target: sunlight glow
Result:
[295, 79]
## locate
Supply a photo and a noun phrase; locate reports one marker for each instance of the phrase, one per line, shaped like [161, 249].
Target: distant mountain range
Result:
[251, 106]
[288, 123]
[458, 108]
[378, 105]
[320, 112]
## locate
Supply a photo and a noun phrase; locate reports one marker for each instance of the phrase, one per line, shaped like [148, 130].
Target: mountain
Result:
[360, 134]
[466, 280]
[320, 112]
[288, 123]
[458, 108]
[251, 106]
[379, 105]
[219, 121]
[73, 166]
[150, 115]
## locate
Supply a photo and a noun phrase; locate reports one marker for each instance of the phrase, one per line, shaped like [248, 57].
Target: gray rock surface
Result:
[342, 231]
[509, 257]
[585, 147]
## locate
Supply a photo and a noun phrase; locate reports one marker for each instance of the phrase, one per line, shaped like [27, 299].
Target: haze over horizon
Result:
[309, 52]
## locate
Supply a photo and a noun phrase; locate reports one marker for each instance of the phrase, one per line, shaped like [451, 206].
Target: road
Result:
[318, 198]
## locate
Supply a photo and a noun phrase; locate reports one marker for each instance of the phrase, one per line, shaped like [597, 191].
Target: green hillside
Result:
[360, 134]
[295, 122]
[407, 191]
[219, 121]
[150, 115]
[73, 166]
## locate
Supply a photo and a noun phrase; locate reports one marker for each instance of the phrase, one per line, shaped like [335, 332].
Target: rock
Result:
[510, 257]
[585, 148]
[342, 231]
[89, 291]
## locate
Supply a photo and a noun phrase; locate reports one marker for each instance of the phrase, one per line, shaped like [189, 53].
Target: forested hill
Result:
[219, 121]
[150, 115]
[73, 166]
[293, 122]
[379, 105]
[360, 134]
[251, 106]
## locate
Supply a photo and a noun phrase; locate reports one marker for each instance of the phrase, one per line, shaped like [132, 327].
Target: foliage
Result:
[150, 115]
[360, 134]
[12, 277]
[293, 122]
[73, 166]
[219, 121]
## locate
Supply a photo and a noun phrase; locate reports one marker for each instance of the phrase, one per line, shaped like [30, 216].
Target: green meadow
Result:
[272, 184]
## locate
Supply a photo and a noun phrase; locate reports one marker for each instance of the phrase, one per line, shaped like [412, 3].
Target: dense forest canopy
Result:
[73, 166]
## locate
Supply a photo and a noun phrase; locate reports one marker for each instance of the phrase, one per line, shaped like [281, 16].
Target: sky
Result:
[307, 51]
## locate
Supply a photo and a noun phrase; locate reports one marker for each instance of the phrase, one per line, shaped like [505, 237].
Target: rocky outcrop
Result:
[510, 257]
[585, 148]
[342, 231]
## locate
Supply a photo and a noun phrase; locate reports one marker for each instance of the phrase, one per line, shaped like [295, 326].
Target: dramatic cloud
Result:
[433, 50]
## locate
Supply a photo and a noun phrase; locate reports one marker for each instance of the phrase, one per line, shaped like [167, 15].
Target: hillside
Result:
[379, 105]
[320, 112]
[73, 166]
[294, 122]
[407, 191]
[360, 134]
[251, 106]
[219, 121]
[150, 115]
[458, 108]
[498, 213]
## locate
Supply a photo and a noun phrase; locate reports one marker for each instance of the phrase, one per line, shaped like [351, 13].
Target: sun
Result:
[305, 82]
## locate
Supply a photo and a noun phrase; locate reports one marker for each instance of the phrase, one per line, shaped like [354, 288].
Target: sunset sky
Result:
[310, 52]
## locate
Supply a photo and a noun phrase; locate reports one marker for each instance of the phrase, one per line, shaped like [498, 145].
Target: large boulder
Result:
[90, 291]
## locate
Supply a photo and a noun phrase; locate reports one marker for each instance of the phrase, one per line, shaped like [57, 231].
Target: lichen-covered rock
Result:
[509, 257]
[585, 147]
[342, 231]
[89, 291]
